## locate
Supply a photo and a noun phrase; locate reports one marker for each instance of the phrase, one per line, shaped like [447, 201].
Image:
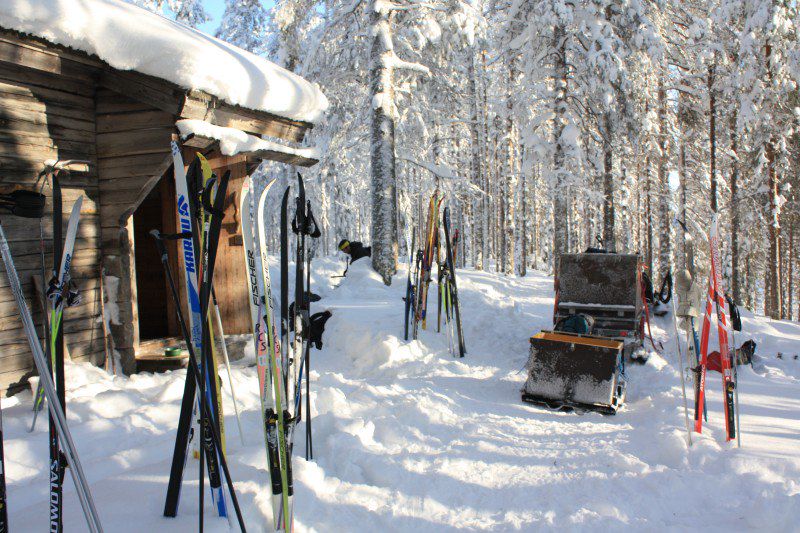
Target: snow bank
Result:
[408, 438]
[131, 38]
[233, 141]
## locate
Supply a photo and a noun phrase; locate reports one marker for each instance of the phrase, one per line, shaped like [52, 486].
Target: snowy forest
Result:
[552, 126]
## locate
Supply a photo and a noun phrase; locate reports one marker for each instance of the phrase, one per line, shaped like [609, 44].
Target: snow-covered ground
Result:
[406, 438]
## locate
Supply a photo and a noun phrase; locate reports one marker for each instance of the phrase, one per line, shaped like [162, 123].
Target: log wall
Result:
[47, 111]
[133, 153]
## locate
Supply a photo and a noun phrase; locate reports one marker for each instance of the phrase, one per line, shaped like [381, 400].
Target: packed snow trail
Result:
[407, 438]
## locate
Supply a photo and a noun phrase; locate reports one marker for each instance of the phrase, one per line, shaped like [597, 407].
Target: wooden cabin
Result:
[57, 103]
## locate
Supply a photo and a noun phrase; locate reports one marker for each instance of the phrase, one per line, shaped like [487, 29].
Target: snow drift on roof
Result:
[130, 38]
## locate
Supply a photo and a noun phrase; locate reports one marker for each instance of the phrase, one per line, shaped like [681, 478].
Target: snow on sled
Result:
[605, 286]
[581, 372]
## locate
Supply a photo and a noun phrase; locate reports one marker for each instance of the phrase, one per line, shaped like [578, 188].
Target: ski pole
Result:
[731, 305]
[696, 343]
[193, 366]
[736, 389]
[681, 363]
[218, 320]
[53, 405]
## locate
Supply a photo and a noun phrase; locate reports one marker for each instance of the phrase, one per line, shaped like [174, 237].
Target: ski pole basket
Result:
[575, 371]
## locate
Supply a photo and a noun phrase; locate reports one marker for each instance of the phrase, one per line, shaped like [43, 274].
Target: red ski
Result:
[716, 298]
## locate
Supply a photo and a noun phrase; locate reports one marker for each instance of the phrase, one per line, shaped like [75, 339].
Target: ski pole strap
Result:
[55, 290]
[171, 236]
[73, 297]
[207, 199]
[311, 227]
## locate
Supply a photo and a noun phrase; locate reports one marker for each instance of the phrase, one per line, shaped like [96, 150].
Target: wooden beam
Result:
[43, 45]
[203, 106]
[143, 89]
[201, 143]
[134, 142]
[20, 53]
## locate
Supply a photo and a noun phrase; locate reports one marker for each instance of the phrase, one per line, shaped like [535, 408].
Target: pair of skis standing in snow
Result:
[279, 370]
[419, 278]
[281, 364]
[63, 453]
[716, 303]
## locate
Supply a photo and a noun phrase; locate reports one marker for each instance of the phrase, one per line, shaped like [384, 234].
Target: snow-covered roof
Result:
[233, 141]
[131, 38]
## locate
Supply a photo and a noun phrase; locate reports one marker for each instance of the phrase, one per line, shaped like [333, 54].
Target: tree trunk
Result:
[476, 166]
[609, 240]
[712, 135]
[648, 218]
[382, 150]
[511, 174]
[560, 195]
[790, 271]
[523, 234]
[665, 243]
[736, 282]
[773, 304]
[684, 263]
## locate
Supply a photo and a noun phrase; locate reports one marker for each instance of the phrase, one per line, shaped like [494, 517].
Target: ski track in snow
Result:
[407, 438]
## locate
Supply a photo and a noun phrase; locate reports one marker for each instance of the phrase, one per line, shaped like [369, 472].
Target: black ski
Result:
[409, 299]
[210, 245]
[285, 356]
[453, 288]
[57, 371]
[311, 229]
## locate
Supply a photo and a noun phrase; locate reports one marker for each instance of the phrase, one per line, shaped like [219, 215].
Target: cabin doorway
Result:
[156, 309]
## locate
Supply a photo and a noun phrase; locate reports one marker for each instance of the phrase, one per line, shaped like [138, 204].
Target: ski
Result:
[426, 265]
[51, 395]
[453, 287]
[300, 317]
[202, 212]
[278, 416]
[310, 229]
[284, 236]
[255, 280]
[409, 299]
[188, 411]
[213, 199]
[57, 294]
[56, 341]
[715, 301]
[728, 383]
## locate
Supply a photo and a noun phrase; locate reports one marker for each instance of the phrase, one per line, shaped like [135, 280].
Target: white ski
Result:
[278, 426]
